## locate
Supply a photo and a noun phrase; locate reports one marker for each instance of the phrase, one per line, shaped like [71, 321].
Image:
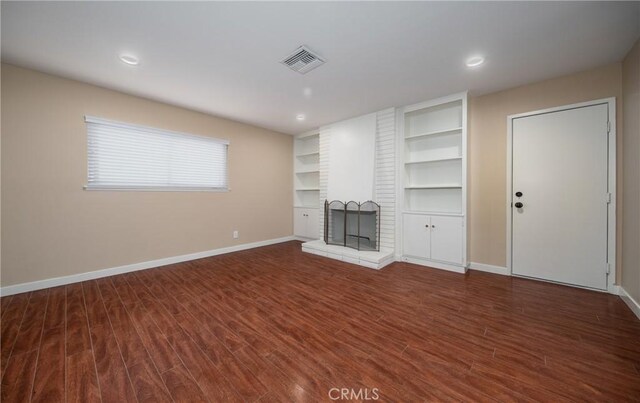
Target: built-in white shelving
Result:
[306, 178]
[435, 187]
[433, 180]
[433, 158]
[307, 154]
[306, 184]
[433, 133]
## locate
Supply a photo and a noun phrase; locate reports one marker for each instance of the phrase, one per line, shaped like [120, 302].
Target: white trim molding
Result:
[628, 299]
[76, 278]
[489, 268]
[385, 176]
[323, 167]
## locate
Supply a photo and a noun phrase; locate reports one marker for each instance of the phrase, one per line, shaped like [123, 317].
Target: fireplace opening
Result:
[352, 224]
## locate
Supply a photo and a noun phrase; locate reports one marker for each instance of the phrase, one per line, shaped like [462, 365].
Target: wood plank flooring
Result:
[276, 325]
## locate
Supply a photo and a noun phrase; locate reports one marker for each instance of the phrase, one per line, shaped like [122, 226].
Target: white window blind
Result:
[124, 156]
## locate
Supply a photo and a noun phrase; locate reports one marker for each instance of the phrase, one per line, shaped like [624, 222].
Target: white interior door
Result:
[560, 165]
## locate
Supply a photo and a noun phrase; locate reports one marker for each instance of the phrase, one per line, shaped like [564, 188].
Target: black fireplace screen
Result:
[352, 224]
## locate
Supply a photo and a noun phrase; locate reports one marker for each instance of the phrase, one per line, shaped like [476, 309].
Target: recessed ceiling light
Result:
[475, 61]
[129, 59]
[300, 117]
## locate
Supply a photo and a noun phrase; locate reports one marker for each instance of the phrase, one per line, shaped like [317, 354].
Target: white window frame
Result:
[155, 188]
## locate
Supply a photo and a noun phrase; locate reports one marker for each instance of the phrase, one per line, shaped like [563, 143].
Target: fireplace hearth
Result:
[352, 224]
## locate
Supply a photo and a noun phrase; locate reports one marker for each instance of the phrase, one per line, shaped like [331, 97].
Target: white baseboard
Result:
[614, 289]
[489, 268]
[434, 265]
[303, 239]
[632, 303]
[76, 278]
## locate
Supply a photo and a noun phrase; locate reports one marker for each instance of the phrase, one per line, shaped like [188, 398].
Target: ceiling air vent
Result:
[302, 60]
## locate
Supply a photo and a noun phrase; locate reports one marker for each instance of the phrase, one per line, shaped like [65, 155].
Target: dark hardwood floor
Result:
[273, 324]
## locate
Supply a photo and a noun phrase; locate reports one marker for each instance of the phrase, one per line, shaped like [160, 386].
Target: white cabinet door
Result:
[312, 223]
[305, 222]
[416, 234]
[300, 222]
[446, 239]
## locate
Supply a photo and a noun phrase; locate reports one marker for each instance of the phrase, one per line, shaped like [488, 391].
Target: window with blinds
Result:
[122, 156]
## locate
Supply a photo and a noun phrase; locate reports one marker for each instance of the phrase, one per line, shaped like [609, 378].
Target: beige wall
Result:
[631, 204]
[488, 149]
[51, 227]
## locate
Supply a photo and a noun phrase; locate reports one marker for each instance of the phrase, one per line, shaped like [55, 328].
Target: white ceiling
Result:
[223, 58]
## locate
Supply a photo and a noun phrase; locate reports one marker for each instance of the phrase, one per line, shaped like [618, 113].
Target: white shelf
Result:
[434, 187]
[432, 160]
[434, 133]
[305, 137]
[441, 213]
[308, 154]
[316, 207]
[313, 171]
[307, 189]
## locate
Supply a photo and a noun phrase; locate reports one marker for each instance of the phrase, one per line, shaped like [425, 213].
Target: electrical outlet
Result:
[235, 235]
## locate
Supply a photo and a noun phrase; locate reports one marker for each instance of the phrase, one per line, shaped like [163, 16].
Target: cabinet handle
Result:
[433, 226]
[427, 225]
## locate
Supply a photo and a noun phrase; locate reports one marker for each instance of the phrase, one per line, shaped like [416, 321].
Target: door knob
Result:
[518, 205]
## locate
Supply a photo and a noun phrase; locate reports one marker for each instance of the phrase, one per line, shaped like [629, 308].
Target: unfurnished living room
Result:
[320, 201]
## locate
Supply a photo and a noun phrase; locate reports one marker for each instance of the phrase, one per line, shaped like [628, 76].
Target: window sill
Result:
[155, 189]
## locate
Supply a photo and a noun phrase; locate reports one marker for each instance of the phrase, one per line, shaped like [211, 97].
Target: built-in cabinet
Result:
[306, 185]
[433, 237]
[305, 222]
[428, 146]
[432, 167]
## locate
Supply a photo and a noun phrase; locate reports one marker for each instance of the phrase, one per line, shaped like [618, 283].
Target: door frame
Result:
[611, 209]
